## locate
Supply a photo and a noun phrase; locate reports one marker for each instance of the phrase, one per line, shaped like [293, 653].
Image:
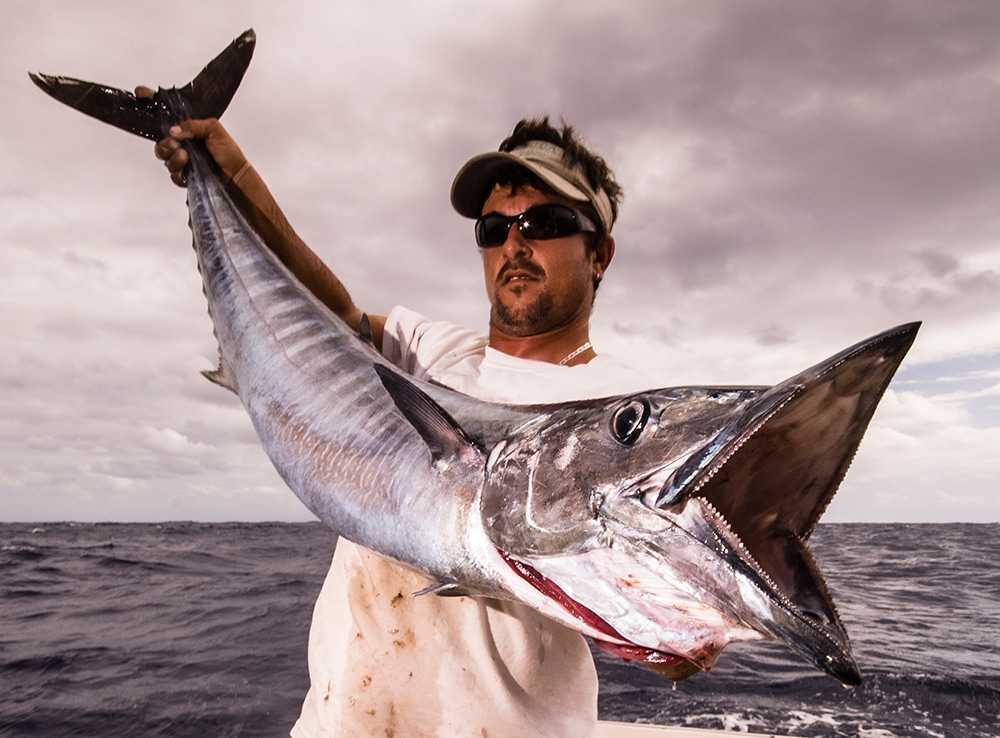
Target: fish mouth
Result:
[604, 636]
[763, 483]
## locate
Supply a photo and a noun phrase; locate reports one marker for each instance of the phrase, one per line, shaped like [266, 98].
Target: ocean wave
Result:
[190, 629]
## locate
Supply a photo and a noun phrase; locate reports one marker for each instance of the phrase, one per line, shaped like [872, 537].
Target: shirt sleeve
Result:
[425, 348]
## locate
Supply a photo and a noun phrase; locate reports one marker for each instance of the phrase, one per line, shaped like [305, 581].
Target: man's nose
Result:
[516, 243]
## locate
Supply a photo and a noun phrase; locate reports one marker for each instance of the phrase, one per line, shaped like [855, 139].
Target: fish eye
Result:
[629, 420]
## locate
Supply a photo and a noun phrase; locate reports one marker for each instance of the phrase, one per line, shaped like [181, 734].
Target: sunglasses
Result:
[540, 223]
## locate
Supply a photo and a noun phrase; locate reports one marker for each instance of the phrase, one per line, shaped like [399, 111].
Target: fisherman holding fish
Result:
[663, 524]
[383, 661]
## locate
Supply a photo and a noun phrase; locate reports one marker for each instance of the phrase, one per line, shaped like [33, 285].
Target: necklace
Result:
[574, 353]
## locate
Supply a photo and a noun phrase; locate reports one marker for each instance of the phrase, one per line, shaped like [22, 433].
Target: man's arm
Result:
[252, 196]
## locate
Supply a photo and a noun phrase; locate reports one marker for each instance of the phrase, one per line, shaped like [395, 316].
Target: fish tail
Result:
[206, 96]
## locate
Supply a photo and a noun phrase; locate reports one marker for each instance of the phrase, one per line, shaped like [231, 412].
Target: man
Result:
[381, 660]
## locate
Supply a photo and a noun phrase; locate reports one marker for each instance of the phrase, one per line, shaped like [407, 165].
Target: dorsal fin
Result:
[443, 436]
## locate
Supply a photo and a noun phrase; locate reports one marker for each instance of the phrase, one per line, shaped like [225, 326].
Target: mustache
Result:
[521, 265]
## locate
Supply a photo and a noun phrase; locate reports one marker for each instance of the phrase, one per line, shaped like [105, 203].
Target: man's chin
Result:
[521, 314]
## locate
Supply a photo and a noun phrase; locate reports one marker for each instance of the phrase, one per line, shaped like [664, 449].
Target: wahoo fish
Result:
[664, 524]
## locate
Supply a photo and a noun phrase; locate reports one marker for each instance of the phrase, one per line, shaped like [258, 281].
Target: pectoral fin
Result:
[443, 436]
[443, 590]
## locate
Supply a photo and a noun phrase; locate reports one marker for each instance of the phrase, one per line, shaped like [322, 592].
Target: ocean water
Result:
[189, 629]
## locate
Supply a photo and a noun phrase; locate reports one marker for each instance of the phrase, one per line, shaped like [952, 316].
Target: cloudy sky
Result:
[798, 177]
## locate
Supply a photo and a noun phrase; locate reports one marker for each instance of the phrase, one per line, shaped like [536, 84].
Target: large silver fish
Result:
[664, 525]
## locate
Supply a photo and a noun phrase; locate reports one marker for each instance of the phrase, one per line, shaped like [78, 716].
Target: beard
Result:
[526, 319]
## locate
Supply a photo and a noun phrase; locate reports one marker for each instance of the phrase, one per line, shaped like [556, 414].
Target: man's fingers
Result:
[194, 129]
[172, 153]
[177, 161]
[169, 150]
[165, 148]
[174, 158]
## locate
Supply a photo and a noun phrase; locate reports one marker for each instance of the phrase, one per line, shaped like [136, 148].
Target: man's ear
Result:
[603, 254]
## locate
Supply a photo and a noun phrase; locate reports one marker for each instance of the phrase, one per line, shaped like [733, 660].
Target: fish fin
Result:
[211, 91]
[365, 330]
[206, 96]
[443, 589]
[141, 116]
[443, 436]
[220, 377]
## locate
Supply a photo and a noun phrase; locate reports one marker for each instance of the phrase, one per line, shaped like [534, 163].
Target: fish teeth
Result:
[737, 543]
[707, 475]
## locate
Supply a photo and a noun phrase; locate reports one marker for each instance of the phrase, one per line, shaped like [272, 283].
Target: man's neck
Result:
[556, 346]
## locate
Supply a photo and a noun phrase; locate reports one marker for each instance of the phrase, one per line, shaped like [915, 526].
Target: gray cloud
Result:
[797, 176]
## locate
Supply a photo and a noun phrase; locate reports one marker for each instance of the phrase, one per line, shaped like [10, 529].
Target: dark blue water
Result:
[193, 629]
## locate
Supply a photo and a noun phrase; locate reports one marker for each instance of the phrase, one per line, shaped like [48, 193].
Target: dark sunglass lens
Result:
[548, 221]
[491, 230]
[540, 223]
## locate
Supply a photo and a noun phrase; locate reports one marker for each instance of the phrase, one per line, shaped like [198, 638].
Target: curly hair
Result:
[597, 171]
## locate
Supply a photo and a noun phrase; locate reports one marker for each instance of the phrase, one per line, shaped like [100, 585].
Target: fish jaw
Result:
[695, 550]
[656, 620]
[671, 590]
[531, 587]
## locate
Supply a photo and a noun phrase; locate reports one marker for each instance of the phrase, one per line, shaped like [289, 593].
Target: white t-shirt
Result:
[385, 663]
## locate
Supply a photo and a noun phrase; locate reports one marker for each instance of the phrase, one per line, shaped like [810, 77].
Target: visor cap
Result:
[476, 179]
